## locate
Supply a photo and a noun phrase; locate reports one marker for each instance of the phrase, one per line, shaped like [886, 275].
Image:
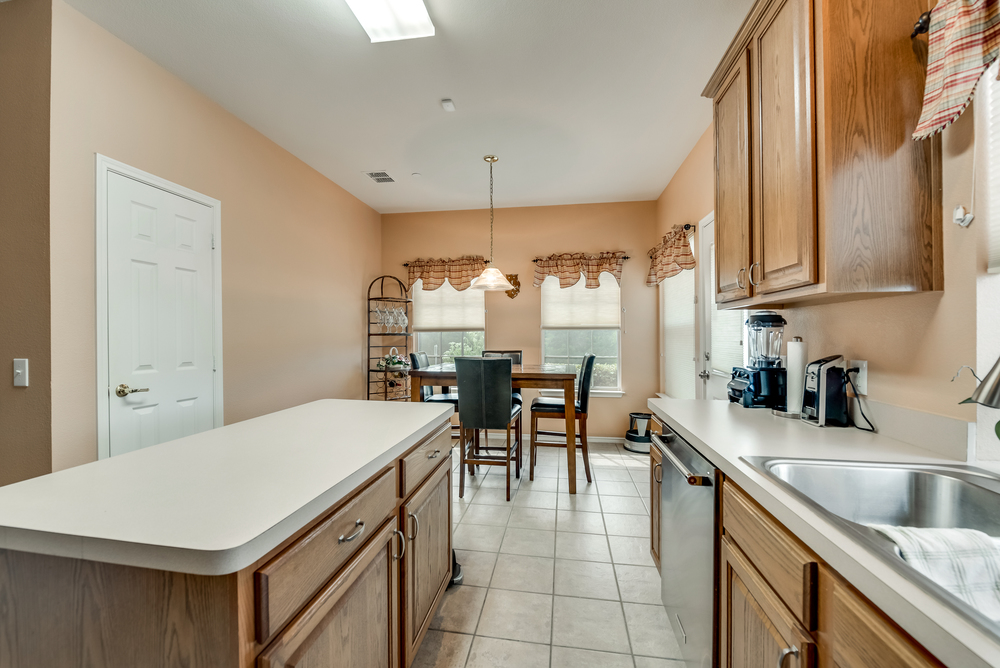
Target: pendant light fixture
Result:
[492, 278]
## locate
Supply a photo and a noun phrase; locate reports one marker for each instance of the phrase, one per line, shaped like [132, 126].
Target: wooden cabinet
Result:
[426, 518]
[820, 193]
[756, 629]
[732, 193]
[774, 593]
[353, 621]
[655, 480]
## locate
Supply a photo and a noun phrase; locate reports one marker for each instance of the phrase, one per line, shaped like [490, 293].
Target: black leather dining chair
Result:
[419, 360]
[550, 408]
[515, 357]
[484, 390]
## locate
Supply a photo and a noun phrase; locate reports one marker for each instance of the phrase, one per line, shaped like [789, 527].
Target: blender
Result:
[761, 384]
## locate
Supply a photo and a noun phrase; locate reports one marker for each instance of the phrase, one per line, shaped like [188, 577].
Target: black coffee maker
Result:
[762, 383]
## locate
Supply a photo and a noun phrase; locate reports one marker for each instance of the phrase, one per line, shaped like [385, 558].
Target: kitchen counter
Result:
[215, 502]
[724, 432]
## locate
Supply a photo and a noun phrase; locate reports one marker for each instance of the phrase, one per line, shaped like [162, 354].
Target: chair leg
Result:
[507, 462]
[461, 462]
[514, 450]
[585, 447]
[531, 447]
[520, 439]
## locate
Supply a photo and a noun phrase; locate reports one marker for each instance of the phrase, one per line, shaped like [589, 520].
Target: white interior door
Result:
[721, 332]
[161, 315]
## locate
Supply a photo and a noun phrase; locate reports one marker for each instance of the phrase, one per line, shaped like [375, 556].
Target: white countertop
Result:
[724, 432]
[215, 502]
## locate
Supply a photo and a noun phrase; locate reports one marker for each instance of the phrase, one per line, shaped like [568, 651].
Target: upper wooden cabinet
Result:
[821, 195]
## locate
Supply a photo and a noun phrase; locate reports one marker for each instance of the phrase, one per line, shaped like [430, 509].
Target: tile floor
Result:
[553, 580]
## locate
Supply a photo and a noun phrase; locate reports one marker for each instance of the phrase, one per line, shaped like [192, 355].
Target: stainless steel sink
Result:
[856, 494]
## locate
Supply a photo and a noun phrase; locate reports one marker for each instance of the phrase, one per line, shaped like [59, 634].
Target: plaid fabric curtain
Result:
[567, 267]
[964, 41]
[670, 257]
[459, 272]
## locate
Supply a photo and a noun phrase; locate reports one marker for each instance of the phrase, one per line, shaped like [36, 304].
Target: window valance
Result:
[432, 272]
[567, 267]
[671, 256]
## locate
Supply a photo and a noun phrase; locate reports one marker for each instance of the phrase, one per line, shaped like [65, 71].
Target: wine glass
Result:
[390, 319]
[379, 318]
[404, 321]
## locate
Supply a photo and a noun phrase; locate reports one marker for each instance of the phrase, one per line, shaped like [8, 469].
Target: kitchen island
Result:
[725, 433]
[254, 544]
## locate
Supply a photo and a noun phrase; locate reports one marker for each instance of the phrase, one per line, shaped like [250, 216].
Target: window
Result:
[677, 316]
[727, 332]
[449, 323]
[988, 123]
[577, 321]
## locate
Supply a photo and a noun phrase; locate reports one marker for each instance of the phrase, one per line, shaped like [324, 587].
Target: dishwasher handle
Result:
[692, 479]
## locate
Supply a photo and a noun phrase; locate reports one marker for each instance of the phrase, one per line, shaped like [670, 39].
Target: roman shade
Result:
[447, 309]
[433, 273]
[669, 257]
[568, 267]
[580, 307]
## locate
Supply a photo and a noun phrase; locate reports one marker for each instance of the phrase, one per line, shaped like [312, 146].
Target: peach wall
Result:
[521, 235]
[913, 343]
[25, 439]
[298, 251]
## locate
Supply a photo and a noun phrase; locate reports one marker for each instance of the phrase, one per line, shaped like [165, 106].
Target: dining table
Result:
[523, 376]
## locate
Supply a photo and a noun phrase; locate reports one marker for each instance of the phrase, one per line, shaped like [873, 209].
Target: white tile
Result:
[606, 474]
[639, 584]
[542, 519]
[589, 624]
[497, 653]
[477, 537]
[582, 546]
[582, 486]
[459, 610]
[628, 505]
[520, 573]
[443, 650]
[576, 521]
[589, 504]
[637, 526]
[650, 631]
[528, 542]
[585, 579]
[477, 567]
[497, 479]
[484, 514]
[649, 662]
[607, 488]
[569, 657]
[492, 496]
[516, 615]
[632, 551]
[535, 500]
[548, 471]
[538, 484]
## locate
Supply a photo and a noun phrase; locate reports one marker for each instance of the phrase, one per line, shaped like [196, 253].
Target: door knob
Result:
[124, 390]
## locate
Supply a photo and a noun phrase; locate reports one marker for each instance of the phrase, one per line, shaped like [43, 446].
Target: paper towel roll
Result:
[797, 360]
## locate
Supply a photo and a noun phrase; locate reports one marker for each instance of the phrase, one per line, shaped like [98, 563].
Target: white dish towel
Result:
[963, 561]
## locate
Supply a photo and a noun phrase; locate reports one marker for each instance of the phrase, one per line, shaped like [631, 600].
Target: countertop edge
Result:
[954, 641]
[205, 562]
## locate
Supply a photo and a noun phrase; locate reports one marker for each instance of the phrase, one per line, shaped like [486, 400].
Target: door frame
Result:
[704, 290]
[103, 167]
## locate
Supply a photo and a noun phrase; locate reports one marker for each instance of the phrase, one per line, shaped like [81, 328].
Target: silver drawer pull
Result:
[692, 479]
[434, 454]
[357, 532]
[684, 635]
[402, 546]
[785, 653]
[660, 468]
[416, 526]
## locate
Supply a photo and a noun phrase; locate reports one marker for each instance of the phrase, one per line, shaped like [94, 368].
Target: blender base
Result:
[790, 416]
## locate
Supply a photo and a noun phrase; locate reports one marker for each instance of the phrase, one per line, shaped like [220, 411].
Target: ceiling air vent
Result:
[380, 177]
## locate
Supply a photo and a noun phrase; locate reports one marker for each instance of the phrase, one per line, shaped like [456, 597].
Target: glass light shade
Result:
[491, 279]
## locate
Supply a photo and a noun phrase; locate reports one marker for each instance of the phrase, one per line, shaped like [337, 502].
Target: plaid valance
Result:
[671, 256]
[964, 41]
[567, 267]
[459, 272]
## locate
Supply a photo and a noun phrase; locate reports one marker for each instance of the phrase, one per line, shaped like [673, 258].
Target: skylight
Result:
[389, 20]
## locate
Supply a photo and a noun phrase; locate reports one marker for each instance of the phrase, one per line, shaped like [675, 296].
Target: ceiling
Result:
[582, 100]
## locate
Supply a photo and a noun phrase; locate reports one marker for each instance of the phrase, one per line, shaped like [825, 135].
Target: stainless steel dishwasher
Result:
[688, 546]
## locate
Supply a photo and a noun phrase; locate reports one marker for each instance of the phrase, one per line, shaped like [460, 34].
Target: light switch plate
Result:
[861, 377]
[20, 373]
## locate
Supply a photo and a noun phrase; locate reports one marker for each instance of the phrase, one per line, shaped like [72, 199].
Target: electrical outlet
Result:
[861, 377]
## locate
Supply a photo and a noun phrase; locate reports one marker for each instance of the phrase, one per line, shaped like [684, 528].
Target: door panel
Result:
[732, 191]
[784, 244]
[426, 519]
[160, 314]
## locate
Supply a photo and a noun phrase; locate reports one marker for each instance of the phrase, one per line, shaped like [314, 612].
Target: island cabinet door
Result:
[655, 480]
[426, 520]
[784, 212]
[756, 630]
[354, 621]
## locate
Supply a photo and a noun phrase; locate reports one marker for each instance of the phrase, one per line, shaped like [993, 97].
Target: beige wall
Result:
[521, 235]
[914, 344]
[298, 250]
[24, 241]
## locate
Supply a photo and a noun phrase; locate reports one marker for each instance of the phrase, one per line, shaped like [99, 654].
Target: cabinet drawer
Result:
[284, 584]
[418, 464]
[789, 568]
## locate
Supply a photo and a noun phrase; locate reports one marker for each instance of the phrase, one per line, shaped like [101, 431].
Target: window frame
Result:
[439, 358]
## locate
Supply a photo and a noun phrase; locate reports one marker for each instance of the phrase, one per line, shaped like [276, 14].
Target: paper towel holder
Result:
[786, 414]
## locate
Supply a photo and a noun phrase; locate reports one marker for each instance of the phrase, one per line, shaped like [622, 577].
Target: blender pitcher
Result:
[764, 332]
